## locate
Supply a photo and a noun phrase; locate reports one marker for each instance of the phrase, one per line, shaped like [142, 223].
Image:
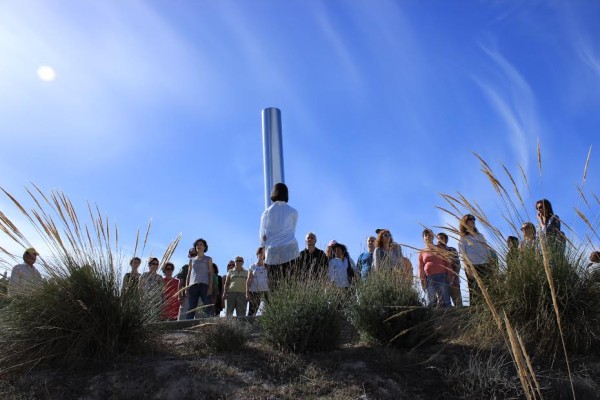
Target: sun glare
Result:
[46, 73]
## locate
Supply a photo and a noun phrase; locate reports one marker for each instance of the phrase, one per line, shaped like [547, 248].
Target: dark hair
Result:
[215, 269]
[427, 230]
[152, 259]
[165, 267]
[464, 230]
[343, 247]
[279, 193]
[133, 259]
[595, 257]
[260, 250]
[442, 234]
[546, 206]
[379, 242]
[512, 240]
[203, 242]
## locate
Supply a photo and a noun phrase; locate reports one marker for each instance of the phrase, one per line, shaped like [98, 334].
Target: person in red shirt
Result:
[170, 294]
[435, 272]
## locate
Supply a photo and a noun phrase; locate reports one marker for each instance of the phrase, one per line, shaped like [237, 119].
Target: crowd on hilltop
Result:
[199, 290]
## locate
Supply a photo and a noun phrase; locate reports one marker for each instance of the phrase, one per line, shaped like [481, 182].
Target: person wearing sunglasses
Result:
[476, 256]
[152, 281]
[170, 295]
[387, 254]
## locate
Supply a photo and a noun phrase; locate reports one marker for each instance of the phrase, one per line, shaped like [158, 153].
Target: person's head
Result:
[260, 254]
[135, 263]
[239, 262]
[216, 269]
[168, 269]
[528, 230]
[311, 239]
[329, 249]
[230, 265]
[512, 242]
[442, 238]
[30, 256]
[184, 272]
[467, 225]
[544, 208]
[153, 264]
[371, 243]
[340, 251]
[427, 236]
[279, 193]
[595, 257]
[200, 245]
[384, 238]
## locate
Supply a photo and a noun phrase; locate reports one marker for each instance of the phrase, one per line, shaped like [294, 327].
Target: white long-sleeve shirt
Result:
[278, 226]
[474, 248]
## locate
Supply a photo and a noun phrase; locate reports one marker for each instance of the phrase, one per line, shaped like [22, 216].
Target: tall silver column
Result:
[272, 150]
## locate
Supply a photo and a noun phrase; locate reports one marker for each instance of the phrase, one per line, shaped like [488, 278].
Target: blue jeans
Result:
[199, 291]
[438, 284]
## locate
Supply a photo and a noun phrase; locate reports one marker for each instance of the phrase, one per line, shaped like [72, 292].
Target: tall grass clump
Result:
[78, 313]
[387, 310]
[540, 301]
[303, 315]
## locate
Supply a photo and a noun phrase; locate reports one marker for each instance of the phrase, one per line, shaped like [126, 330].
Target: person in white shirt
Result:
[338, 267]
[257, 284]
[25, 276]
[278, 234]
[476, 255]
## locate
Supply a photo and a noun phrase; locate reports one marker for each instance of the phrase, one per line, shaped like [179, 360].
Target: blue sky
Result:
[155, 111]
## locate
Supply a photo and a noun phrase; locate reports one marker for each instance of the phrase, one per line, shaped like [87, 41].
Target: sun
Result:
[46, 73]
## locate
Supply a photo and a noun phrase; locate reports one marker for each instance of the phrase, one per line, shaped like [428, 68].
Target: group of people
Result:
[199, 290]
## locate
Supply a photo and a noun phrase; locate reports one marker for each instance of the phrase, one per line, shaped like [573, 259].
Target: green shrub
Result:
[78, 313]
[386, 310]
[224, 335]
[303, 315]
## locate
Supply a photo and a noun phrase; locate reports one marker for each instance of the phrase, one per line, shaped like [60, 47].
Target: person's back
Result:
[278, 229]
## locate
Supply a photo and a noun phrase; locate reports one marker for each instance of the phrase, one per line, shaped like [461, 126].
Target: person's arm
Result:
[188, 278]
[225, 285]
[262, 233]
[376, 259]
[211, 272]
[249, 282]
[422, 275]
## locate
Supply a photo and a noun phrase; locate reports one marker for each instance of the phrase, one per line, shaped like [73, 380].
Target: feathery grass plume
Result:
[303, 315]
[79, 312]
[386, 310]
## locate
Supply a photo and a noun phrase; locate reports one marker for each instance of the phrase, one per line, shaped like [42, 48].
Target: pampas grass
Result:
[78, 314]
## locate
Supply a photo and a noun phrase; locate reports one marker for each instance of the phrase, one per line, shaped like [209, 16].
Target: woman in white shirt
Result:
[278, 234]
[475, 254]
[338, 267]
[257, 284]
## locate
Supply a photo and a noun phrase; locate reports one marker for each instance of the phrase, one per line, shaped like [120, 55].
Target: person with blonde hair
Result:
[387, 254]
[25, 276]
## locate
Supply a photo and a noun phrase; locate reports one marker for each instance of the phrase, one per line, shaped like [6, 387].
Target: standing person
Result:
[170, 295]
[512, 255]
[529, 237]
[24, 277]
[235, 289]
[435, 272]
[217, 291]
[476, 255]
[387, 254]
[365, 260]
[152, 281]
[132, 278]
[338, 269]
[278, 234]
[257, 284]
[312, 261]
[549, 226]
[452, 256]
[199, 280]
[184, 301]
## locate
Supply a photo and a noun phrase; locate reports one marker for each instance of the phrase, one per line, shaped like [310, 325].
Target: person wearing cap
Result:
[24, 276]
[312, 261]
[234, 289]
